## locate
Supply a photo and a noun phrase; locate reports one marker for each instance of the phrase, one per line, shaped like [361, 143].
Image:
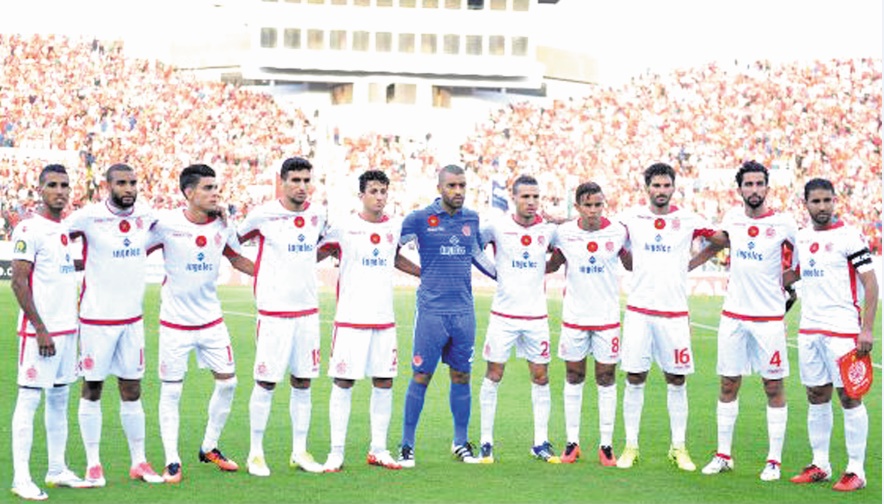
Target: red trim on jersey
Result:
[21, 353]
[704, 232]
[103, 322]
[68, 332]
[351, 325]
[250, 235]
[229, 354]
[751, 318]
[257, 262]
[537, 220]
[518, 317]
[851, 274]
[762, 216]
[141, 357]
[288, 314]
[831, 225]
[384, 218]
[331, 353]
[85, 257]
[831, 334]
[209, 220]
[591, 327]
[657, 313]
[181, 327]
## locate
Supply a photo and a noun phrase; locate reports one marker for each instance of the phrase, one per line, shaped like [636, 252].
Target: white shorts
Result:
[747, 346]
[287, 344]
[212, 346]
[112, 349]
[576, 344]
[45, 372]
[818, 356]
[357, 353]
[665, 339]
[529, 336]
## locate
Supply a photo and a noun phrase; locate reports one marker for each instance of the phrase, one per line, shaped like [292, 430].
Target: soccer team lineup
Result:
[78, 279]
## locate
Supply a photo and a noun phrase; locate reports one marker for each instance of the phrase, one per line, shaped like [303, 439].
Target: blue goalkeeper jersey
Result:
[447, 245]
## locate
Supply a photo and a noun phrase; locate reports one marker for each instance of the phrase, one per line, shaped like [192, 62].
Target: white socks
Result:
[132, 418]
[607, 413]
[633, 402]
[381, 410]
[819, 431]
[488, 404]
[219, 409]
[727, 413]
[300, 409]
[776, 431]
[56, 421]
[573, 394]
[339, 416]
[259, 413]
[89, 416]
[856, 433]
[23, 432]
[540, 399]
[170, 396]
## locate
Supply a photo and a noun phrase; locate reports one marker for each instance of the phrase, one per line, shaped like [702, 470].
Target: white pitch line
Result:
[710, 328]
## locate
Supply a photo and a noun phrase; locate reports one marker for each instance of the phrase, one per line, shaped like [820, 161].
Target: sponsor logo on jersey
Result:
[591, 269]
[812, 271]
[592, 246]
[417, 360]
[454, 247]
[750, 255]
[201, 241]
[814, 247]
[658, 247]
[125, 226]
[375, 238]
[21, 247]
[526, 240]
[433, 221]
[126, 252]
[753, 231]
[64, 240]
[659, 224]
[466, 230]
[299, 222]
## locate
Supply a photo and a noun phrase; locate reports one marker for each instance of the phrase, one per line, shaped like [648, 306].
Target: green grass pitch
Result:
[437, 477]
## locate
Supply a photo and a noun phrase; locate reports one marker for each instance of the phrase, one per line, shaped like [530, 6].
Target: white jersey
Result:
[45, 244]
[285, 270]
[115, 252]
[661, 251]
[830, 260]
[365, 278]
[755, 288]
[520, 260]
[592, 291]
[192, 252]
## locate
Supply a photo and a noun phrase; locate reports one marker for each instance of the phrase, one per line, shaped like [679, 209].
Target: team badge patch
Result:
[201, 241]
[676, 223]
[770, 232]
[88, 363]
[829, 247]
[314, 220]
[609, 246]
[261, 369]
[814, 247]
[466, 230]
[389, 237]
[299, 222]
[659, 224]
[125, 226]
[592, 246]
[375, 238]
[433, 221]
[753, 231]
[218, 239]
[341, 367]
[526, 240]
[21, 247]
[541, 239]
[64, 240]
[31, 374]
[417, 360]
[139, 223]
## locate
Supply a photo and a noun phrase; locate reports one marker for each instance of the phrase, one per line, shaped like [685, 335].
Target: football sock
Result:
[776, 431]
[219, 410]
[56, 421]
[856, 433]
[488, 404]
[727, 413]
[380, 411]
[607, 413]
[23, 432]
[89, 416]
[414, 404]
[819, 430]
[300, 409]
[132, 418]
[339, 416]
[633, 401]
[459, 399]
[259, 412]
[170, 396]
[573, 395]
[540, 399]
[677, 403]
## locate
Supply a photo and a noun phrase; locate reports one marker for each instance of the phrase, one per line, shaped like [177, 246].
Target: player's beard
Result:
[661, 200]
[119, 203]
[754, 201]
[821, 218]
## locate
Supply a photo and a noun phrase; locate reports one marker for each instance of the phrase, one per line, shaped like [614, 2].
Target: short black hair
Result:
[372, 175]
[191, 175]
[452, 169]
[117, 167]
[752, 167]
[523, 180]
[51, 168]
[817, 183]
[586, 188]
[659, 169]
[294, 164]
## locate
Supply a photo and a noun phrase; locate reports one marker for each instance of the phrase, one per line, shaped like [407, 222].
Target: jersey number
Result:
[615, 345]
[544, 349]
[775, 360]
[316, 356]
[682, 356]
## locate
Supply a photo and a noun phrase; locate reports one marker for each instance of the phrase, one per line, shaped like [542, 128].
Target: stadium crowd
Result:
[802, 121]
